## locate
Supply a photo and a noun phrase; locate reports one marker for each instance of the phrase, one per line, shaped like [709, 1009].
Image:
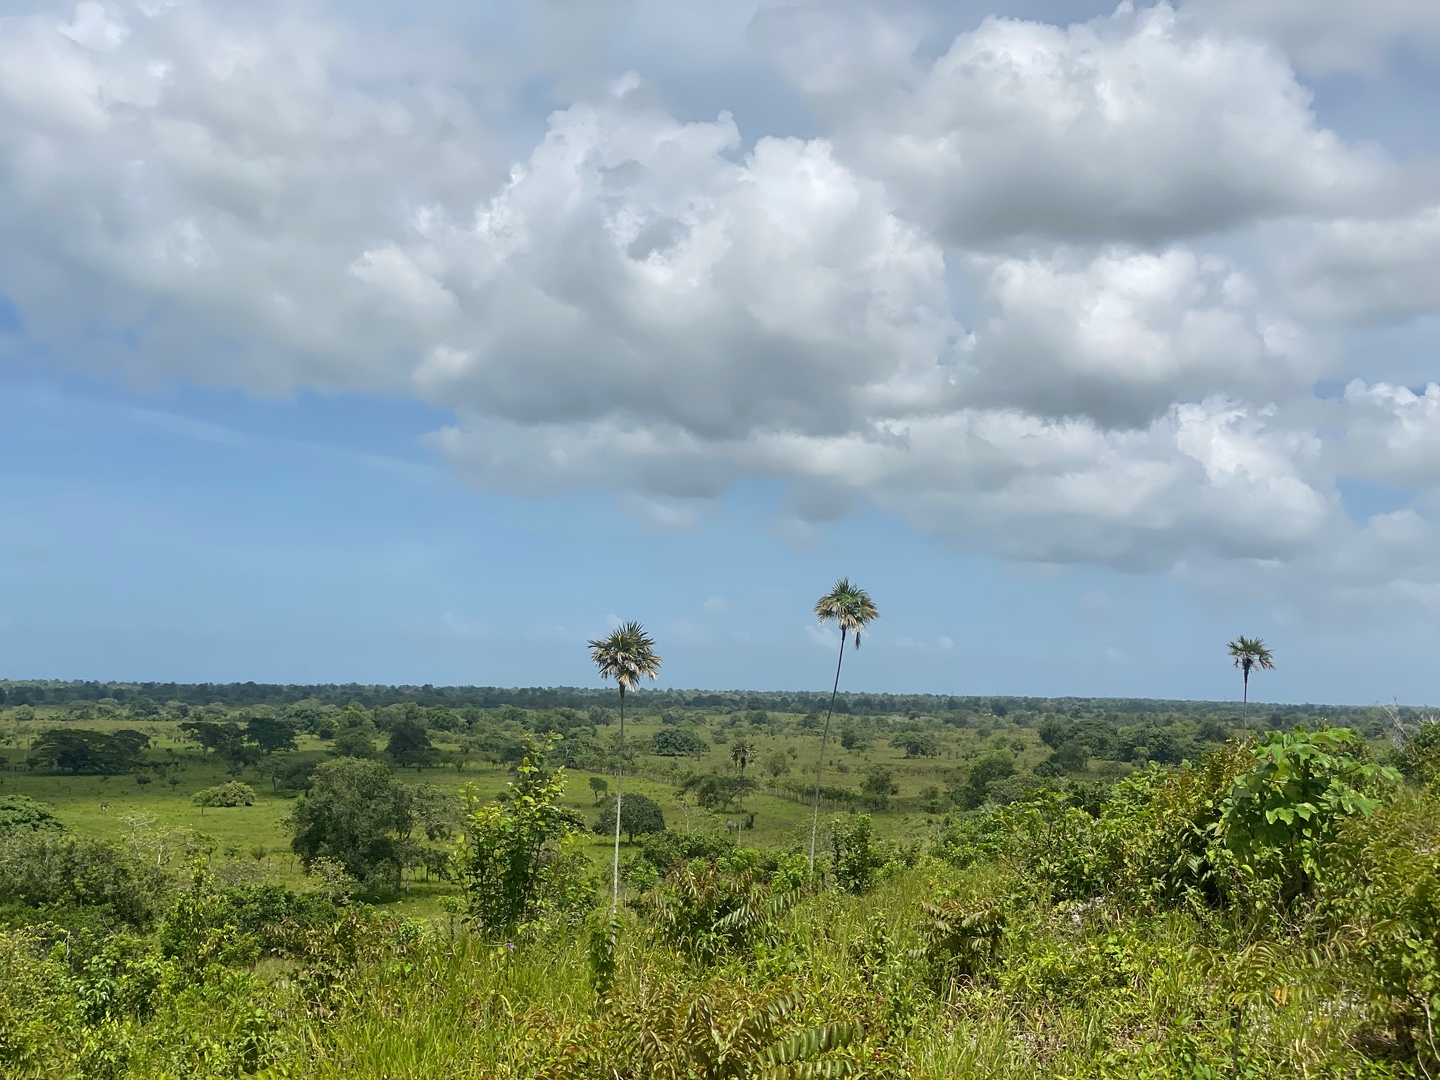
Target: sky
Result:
[421, 342]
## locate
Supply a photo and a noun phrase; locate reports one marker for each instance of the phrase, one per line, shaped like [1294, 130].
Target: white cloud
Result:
[1135, 126]
[1393, 434]
[1370, 270]
[986, 303]
[1326, 36]
[716, 605]
[1123, 335]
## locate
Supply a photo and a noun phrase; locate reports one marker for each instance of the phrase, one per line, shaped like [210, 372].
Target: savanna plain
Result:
[418, 882]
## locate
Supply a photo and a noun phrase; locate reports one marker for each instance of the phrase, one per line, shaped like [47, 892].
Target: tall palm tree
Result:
[851, 607]
[626, 655]
[1249, 654]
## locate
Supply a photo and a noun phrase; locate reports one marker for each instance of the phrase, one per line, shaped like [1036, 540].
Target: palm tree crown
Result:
[1250, 653]
[850, 606]
[626, 655]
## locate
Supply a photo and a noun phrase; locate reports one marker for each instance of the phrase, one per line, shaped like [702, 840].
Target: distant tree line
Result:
[148, 698]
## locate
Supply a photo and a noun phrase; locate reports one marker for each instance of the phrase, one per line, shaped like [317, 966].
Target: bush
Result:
[518, 861]
[230, 793]
[48, 875]
[20, 813]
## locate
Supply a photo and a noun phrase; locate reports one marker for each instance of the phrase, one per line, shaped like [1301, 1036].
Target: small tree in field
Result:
[642, 815]
[627, 655]
[517, 861]
[599, 787]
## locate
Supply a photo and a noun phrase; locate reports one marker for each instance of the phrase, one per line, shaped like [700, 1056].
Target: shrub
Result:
[1282, 814]
[20, 813]
[518, 861]
[230, 793]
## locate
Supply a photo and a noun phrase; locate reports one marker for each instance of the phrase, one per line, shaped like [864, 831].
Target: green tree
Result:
[84, 751]
[641, 816]
[356, 814]
[270, 734]
[210, 735]
[716, 793]
[1250, 654]
[851, 607]
[917, 743]
[985, 771]
[599, 787]
[410, 745]
[355, 742]
[677, 742]
[517, 860]
[627, 655]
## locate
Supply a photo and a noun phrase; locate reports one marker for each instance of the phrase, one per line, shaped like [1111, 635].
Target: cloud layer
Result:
[1061, 293]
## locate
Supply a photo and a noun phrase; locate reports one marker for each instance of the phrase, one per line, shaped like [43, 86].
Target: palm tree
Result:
[852, 608]
[742, 754]
[1249, 654]
[627, 655]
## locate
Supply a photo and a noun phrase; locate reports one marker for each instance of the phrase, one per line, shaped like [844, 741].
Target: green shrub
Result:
[20, 813]
[518, 860]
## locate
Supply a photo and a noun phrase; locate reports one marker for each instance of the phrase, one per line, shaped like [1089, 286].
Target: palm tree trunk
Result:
[820, 762]
[619, 794]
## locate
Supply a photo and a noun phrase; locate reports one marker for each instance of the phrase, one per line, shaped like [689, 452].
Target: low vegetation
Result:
[1002, 888]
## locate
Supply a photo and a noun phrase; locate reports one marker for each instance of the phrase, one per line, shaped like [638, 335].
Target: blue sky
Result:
[419, 344]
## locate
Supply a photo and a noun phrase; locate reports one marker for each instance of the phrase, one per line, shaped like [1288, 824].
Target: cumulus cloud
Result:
[1122, 335]
[1137, 126]
[1392, 434]
[988, 301]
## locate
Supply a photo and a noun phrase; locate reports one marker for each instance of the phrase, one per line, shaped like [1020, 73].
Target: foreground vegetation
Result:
[1025, 895]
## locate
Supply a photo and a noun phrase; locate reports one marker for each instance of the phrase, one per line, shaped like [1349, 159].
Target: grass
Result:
[103, 806]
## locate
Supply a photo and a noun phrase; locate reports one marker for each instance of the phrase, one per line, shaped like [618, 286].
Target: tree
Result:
[1249, 654]
[230, 793]
[356, 814]
[627, 655]
[777, 763]
[209, 735]
[355, 742]
[270, 734]
[994, 766]
[640, 816]
[410, 745]
[852, 608]
[677, 742]
[716, 793]
[600, 787]
[917, 743]
[742, 754]
[83, 751]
